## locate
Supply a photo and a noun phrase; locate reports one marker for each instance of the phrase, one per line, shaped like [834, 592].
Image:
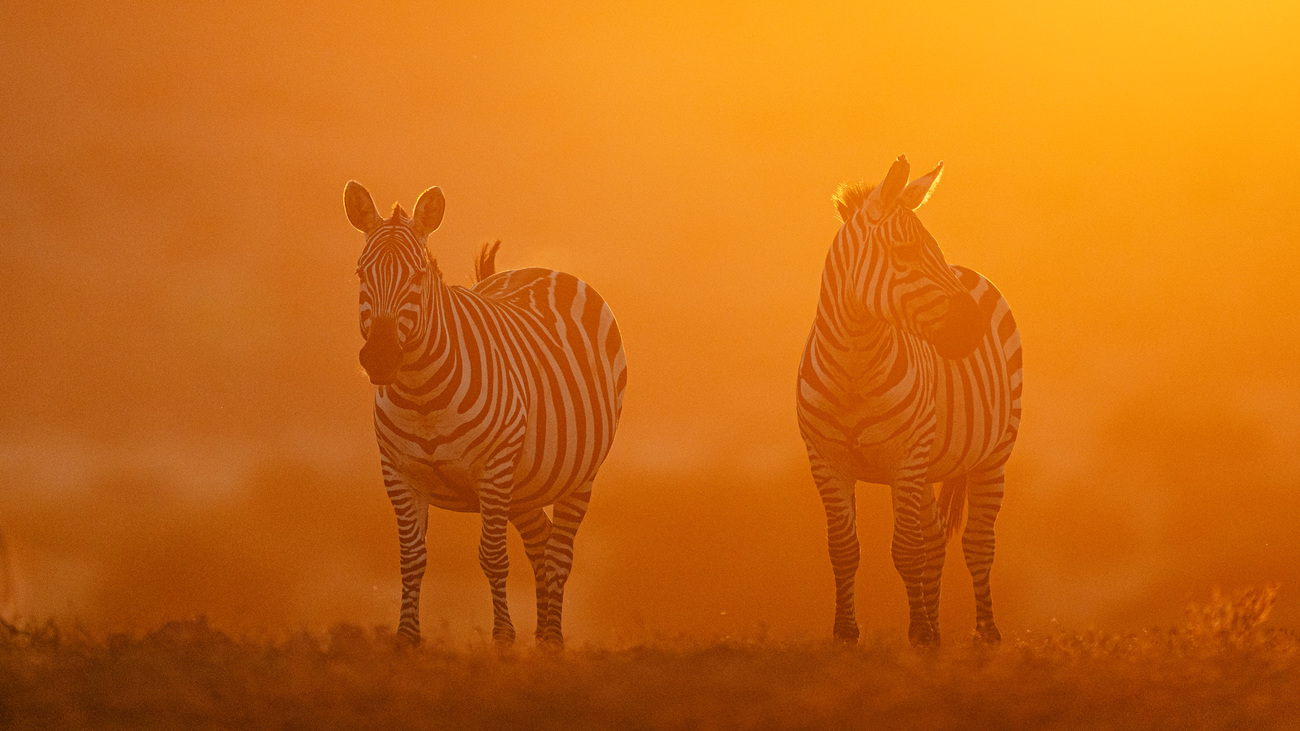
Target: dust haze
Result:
[184, 428]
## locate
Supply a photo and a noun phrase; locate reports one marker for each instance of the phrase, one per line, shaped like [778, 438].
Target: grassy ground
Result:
[1219, 670]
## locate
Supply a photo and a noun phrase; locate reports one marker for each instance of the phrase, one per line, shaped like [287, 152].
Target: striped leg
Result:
[839, 498]
[917, 550]
[568, 514]
[535, 528]
[412, 518]
[936, 542]
[985, 494]
[494, 511]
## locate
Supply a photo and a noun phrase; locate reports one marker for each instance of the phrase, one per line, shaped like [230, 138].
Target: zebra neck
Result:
[864, 350]
[435, 357]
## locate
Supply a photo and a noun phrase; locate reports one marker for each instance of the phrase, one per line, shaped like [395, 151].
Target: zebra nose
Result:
[381, 356]
[962, 329]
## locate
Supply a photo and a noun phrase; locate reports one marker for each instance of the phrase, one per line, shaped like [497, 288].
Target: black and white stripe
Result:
[911, 375]
[501, 400]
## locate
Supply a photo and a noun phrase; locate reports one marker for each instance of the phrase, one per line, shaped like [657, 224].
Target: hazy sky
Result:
[184, 427]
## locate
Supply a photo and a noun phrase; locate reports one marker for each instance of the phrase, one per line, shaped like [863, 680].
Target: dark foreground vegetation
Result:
[1219, 670]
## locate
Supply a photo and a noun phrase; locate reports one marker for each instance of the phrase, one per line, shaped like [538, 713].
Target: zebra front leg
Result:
[412, 520]
[985, 495]
[936, 550]
[494, 510]
[535, 529]
[568, 515]
[917, 550]
[839, 498]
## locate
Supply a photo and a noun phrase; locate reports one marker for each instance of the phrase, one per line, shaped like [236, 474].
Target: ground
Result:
[1218, 670]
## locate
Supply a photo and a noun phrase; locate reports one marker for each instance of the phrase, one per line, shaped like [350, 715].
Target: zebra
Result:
[499, 399]
[911, 375]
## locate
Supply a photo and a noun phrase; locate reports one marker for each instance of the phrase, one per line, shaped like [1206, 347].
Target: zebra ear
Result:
[918, 191]
[428, 211]
[895, 180]
[884, 196]
[360, 207]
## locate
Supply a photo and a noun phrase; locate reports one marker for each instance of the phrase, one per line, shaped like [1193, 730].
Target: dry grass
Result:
[1219, 670]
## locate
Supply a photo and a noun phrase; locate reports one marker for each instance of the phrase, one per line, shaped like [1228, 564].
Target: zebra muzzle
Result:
[381, 356]
[962, 329]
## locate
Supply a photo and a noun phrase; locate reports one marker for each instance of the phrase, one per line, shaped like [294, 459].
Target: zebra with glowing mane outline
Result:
[911, 375]
[501, 400]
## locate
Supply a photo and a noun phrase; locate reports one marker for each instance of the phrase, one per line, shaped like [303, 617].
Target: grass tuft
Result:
[1222, 669]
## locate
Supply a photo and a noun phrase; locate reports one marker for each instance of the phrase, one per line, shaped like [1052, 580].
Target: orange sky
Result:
[184, 428]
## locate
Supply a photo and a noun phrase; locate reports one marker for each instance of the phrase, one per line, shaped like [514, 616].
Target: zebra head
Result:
[901, 276]
[394, 269]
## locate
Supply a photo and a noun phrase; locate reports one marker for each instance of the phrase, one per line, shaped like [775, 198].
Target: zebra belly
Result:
[549, 465]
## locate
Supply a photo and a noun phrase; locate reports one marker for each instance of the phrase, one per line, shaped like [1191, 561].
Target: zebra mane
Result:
[849, 197]
[398, 215]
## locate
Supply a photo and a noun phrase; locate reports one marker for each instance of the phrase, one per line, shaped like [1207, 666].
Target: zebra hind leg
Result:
[839, 499]
[535, 529]
[984, 490]
[568, 515]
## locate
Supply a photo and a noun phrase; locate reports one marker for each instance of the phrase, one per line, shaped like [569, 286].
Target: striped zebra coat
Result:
[911, 376]
[500, 399]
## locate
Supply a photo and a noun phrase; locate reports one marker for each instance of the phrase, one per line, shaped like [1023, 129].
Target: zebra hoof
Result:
[504, 637]
[923, 636]
[407, 638]
[551, 641]
[846, 633]
[988, 636]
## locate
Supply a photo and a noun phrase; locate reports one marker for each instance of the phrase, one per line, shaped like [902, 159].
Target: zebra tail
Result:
[486, 263]
[952, 503]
